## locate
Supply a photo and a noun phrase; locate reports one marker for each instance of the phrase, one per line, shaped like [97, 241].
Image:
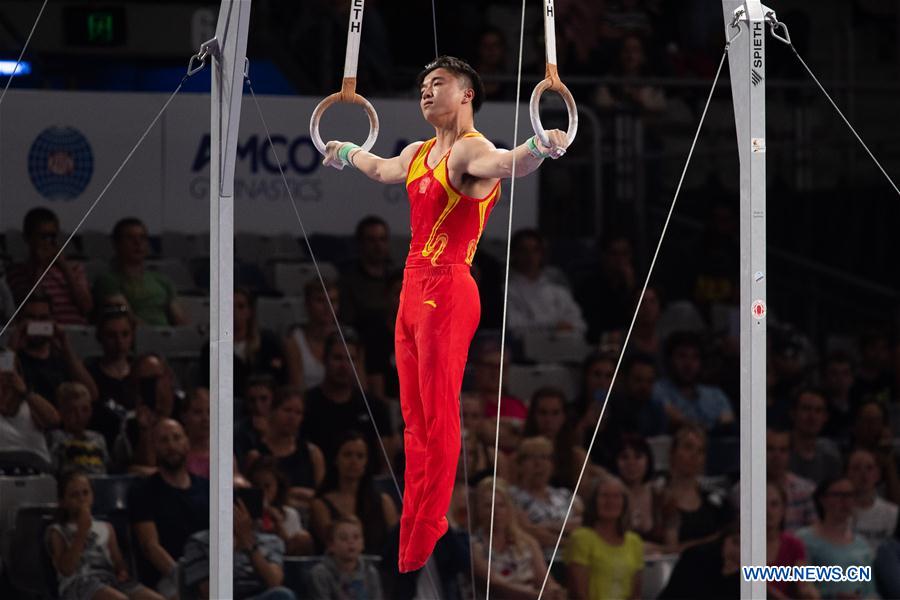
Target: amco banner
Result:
[58, 149]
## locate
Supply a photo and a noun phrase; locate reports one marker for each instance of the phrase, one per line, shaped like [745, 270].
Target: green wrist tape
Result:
[344, 153]
[534, 150]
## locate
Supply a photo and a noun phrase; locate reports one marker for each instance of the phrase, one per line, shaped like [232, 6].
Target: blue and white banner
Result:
[58, 149]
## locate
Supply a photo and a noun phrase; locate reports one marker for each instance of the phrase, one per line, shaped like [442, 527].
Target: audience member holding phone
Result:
[258, 557]
[45, 355]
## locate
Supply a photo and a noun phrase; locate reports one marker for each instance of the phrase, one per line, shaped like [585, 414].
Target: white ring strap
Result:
[348, 86]
[551, 82]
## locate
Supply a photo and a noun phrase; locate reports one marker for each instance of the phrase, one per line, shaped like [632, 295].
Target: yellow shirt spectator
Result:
[612, 568]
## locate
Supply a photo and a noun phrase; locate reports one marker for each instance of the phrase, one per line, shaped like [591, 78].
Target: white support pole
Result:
[228, 58]
[747, 63]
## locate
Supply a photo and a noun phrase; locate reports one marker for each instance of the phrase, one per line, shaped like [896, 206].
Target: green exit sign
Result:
[95, 26]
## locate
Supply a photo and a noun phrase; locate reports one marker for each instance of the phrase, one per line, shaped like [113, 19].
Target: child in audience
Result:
[75, 447]
[342, 574]
[85, 552]
[278, 517]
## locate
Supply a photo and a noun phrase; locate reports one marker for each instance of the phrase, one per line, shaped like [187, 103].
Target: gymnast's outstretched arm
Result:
[476, 156]
[382, 170]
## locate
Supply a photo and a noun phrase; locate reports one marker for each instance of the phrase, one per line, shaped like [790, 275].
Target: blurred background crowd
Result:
[104, 401]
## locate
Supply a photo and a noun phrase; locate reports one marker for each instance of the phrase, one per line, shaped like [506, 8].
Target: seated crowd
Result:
[318, 439]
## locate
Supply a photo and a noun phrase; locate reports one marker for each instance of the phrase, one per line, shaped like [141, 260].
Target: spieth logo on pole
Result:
[60, 163]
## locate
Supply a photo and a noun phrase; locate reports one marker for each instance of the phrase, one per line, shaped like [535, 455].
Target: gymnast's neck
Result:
[449, 128]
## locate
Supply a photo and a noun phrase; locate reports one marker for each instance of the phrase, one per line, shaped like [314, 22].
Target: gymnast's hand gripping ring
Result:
[348, 86]
[551, 82]
[349, 95]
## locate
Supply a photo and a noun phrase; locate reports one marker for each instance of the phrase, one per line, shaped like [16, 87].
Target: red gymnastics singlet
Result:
[438, 315]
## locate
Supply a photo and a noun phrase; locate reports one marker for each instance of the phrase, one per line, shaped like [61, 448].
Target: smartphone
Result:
[7, 361]
[40, 329]
[252, 499]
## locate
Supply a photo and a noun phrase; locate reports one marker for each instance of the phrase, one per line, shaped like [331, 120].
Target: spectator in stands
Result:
[150, 295]
[110, 371]
[596, 377]
[491, 60]
[258, 566]
[377, 335]
[85, 551]
[337, 405]
[604, 559]
[24, 417]
[74, 446]
[194, 417]
[152, 398]
[874, 518]
[46, 357]
[709, 571]
[645, 338]
[279, 517]
[364, 280]
[65, 283]
[283, 438]
[638, 410]
[814, 457]
[799, 510]
[886, 568]
[837, 384]
[832, 542]
[543, 507]
[305, 345]
[348, 489]
[547, 417]
[871, 430]
[634, 467]
[534, 301]
[487, 381]
[166, 508]
[342, 573]
[611, 284]
[685, 398]
[258, 396]
[256, 351]
[478, 442]
[874, 379]
[517, 565]
[630, 96]
[691, 514]
[783, 548]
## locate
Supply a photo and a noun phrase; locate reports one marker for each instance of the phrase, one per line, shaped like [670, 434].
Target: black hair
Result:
[269, 464]
[460, 68]
[683, 339]
[367, 222]
[368, 499]
[525, 234]
[638, 358]
[822, 491]
[638, 443]
[62, 482]
[122, 224]
[37, 217]
[285, 393]
[808, 389]
[334, 338]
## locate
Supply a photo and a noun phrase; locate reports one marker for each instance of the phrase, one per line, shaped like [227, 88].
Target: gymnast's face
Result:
[443, 94]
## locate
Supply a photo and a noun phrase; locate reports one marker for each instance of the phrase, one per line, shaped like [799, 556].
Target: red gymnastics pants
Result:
[439, 312]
